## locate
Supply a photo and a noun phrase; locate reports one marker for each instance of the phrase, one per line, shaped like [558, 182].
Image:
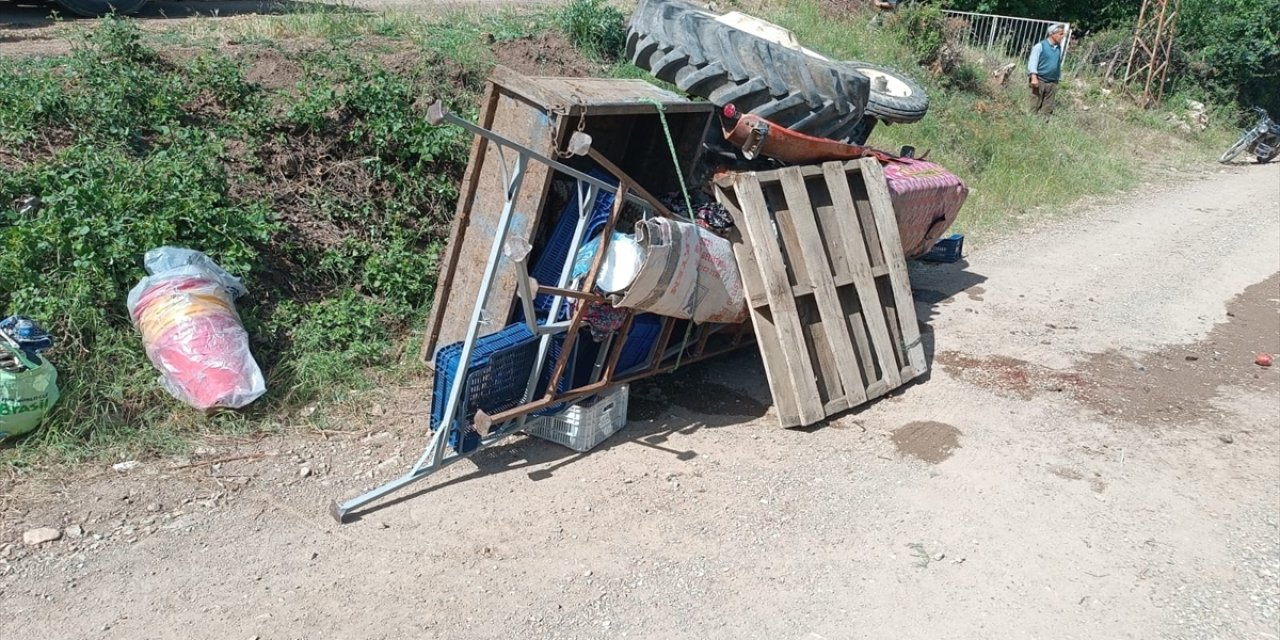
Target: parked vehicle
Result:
[1262, 140]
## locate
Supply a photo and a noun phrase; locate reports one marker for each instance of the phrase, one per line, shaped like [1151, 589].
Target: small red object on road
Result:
[1263, 360]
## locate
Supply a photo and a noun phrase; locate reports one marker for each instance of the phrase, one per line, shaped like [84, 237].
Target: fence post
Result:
[991, 39]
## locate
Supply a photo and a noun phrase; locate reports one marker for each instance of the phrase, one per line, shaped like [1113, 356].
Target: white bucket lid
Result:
[622, 262]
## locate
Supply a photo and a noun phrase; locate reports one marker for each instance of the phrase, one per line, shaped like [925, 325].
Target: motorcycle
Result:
[1262, 140]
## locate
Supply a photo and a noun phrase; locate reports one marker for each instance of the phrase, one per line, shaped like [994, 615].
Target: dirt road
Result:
[1094, 456]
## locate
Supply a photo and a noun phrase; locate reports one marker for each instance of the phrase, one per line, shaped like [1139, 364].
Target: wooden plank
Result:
[778, 290]
[858, 327]
[813, 251]
[829, 224]
[788, 238]
[866, 216]
[832, 222]
[747, 265]
[483, 206]
[882, 206]
[885, 290]
[803, 289]
[781, 384]
[837, 405]
[877, 389]
[819, 350]
[860, 264]
[461, 219]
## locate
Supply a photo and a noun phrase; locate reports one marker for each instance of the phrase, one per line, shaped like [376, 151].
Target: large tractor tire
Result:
[683, 44]
[95, 8]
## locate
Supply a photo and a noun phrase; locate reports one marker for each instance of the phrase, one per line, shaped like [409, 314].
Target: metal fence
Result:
[1005, 34]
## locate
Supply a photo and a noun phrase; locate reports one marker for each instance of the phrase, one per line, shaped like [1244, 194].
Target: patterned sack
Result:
[926, 199]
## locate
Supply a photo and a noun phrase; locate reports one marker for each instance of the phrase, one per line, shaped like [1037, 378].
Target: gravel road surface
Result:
[1095, 455]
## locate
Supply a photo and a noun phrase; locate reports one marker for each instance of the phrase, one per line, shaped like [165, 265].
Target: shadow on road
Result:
[716, 393]
[33, 15]
[724, 391]
[936, 284]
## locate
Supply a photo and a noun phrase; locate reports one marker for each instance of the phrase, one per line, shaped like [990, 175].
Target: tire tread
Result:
[680, 43]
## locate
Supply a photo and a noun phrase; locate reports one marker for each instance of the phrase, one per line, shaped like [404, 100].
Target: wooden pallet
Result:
[826, 281]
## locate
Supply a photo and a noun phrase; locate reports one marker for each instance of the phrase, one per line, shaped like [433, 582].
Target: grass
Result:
[328, 197]
[921, 555]
[331, 198]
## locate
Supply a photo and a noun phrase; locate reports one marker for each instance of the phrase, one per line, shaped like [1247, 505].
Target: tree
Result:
[1084, 15]
[1227, 49]
[1231, 49]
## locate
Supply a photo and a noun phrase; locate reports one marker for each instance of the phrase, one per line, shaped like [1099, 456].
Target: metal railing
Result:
[1007, 35]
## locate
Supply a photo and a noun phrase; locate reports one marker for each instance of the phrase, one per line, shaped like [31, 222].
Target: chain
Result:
[582, 126]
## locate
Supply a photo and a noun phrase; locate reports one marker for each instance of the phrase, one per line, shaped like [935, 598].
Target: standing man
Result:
[1045, 68]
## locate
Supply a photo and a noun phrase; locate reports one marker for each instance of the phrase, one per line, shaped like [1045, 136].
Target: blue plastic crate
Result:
[575, 373]
[948, 249]
[644, 332]
[495, 380]
[635, 352]
[555, 253]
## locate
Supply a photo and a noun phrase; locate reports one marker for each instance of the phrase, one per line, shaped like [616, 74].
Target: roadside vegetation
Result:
[1018, 166]
[294, 151]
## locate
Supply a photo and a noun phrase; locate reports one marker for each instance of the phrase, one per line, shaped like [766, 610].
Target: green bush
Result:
[326, 342]
[129, 148]
[923, 28]
[938, 45]
[596, 27]
[1231, 50]
[103, 208]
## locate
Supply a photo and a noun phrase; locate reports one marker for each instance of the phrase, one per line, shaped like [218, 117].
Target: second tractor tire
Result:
[893, 98]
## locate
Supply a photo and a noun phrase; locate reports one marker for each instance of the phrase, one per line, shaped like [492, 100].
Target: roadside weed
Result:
[921, 554]
[595, 26]
[129, 148]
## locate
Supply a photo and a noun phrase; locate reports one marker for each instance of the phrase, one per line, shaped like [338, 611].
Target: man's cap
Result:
[1054, 28]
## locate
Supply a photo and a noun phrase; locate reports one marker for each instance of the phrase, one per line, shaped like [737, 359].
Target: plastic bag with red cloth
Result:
[186, 313]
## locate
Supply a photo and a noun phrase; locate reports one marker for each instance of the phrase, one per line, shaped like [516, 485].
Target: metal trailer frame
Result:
[497, 427]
